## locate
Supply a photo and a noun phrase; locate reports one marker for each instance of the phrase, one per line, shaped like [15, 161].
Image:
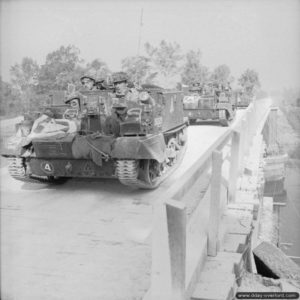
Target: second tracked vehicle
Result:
[244, 98]
[209, 104]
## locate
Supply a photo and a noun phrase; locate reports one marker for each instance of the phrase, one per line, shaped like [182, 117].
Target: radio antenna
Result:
[140, 33]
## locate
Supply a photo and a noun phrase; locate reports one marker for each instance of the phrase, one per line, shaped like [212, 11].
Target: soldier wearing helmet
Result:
[118, 115]
[88, 82]
[123, 98]
[120, 82]
[73, 101]
[100, 83]
[122, 89]
[196, 87]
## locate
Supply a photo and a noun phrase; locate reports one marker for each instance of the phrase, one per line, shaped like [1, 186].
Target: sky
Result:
[263, 35]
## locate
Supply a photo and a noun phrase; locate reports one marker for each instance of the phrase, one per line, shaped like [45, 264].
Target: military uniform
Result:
[112, 122]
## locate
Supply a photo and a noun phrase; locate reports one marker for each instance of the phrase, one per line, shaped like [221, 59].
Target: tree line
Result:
[32, 82]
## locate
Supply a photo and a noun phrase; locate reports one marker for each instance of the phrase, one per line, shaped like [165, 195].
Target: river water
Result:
[289, 215]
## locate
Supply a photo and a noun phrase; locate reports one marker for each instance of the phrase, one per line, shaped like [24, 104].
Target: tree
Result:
[11, 97]
[221, 74]
[138, 69]
[24, 75]
[25, 79]
[165, 58]
[193, 71]
[97, 69]
[61, 67]
[249, 80]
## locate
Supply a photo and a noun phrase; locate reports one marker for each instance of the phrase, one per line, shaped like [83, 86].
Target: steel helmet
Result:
[68, 100]
[88, 77]
[99, 79]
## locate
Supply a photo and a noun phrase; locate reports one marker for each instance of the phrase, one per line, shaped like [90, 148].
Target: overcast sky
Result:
[259, 34]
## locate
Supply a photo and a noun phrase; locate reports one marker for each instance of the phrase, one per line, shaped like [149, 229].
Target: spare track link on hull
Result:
[16, 169]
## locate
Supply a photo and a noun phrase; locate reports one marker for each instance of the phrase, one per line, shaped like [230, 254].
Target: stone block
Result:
[234, 243]
[271, 260]
[217, 280]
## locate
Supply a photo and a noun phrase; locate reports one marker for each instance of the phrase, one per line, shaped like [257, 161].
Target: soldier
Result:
[123, 97]
[196, 88]
[122, 89]
[88, 82]
[228, 87]
[118, 115]
[100, 83]
[217, 88]
[74, 110]
[73, 101]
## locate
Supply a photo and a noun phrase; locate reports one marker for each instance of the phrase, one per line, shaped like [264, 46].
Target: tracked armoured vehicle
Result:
[243, 98]
[209, 105]
[98, 135]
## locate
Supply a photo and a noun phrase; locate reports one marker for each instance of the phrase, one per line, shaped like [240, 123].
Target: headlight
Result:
[144, 96]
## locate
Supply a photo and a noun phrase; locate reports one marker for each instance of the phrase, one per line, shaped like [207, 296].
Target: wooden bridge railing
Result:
[185, 234]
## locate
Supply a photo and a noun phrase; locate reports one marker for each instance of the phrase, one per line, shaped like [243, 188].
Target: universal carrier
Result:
[214, 106]
[87, 139]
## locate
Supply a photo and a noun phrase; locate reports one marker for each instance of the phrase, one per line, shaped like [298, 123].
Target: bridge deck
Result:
[85, 239]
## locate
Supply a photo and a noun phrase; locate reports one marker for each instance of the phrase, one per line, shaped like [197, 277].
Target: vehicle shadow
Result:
[88, 185]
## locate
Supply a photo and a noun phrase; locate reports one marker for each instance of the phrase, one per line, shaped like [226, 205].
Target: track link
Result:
[127, 172]
[18, 170]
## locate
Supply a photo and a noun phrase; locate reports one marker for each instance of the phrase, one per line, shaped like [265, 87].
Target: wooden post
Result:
[253, 120]
[247, 133]
[215, 197]
[160, 269]
[250, 119]
[242, 144]
[234, 166]
[272, 132]
[176, 219]
[255, 117]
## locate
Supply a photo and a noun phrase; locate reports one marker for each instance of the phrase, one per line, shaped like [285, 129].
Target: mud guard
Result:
[227, 107]
[152, 147]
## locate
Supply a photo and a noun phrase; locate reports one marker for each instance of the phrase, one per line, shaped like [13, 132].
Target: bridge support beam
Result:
[234, 166]
[215, 197]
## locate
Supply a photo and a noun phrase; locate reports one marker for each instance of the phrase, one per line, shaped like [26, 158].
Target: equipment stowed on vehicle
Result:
[92, 137]
[209, 106]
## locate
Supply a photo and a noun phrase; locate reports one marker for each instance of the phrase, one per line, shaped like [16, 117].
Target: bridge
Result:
[101, 240]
